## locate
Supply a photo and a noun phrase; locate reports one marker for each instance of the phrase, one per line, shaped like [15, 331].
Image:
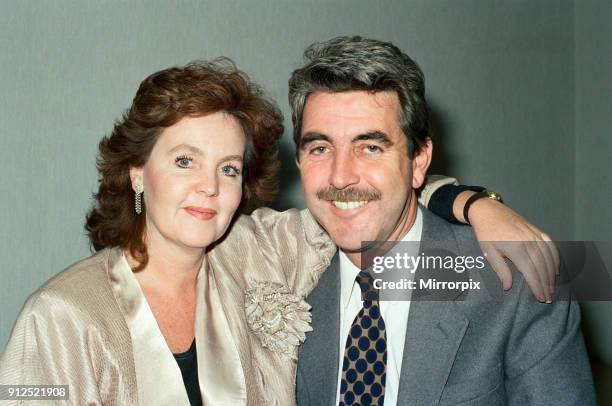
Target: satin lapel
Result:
[158, 376]
[220, 371]
[318, 356]
[434, 332]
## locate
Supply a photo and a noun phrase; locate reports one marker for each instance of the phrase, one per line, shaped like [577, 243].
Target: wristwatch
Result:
[488, 194]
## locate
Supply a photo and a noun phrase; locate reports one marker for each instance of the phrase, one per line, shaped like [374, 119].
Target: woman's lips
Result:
[201, 213]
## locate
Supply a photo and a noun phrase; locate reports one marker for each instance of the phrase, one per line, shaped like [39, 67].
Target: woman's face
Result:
[192, 181]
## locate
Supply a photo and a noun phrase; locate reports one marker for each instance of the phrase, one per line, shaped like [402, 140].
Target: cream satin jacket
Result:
[90, 327]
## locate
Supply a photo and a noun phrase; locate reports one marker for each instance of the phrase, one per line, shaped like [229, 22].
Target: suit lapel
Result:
[434, 332]
[318, 356]
[432, 340]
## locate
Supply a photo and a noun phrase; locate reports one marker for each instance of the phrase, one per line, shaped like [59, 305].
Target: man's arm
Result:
[494, 223]
[533, 252]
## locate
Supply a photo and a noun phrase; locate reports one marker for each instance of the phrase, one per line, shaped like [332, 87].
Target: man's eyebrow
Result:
[312, 137]
[378, 136]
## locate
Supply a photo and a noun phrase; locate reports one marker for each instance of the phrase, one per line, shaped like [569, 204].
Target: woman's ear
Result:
[136, 179]
[420, 164]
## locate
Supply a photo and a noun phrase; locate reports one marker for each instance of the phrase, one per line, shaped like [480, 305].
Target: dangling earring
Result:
[138, 198]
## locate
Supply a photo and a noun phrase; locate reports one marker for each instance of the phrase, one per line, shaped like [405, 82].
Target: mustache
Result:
[348, 195]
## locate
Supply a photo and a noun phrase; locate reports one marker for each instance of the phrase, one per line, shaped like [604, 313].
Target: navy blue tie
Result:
[365, 353]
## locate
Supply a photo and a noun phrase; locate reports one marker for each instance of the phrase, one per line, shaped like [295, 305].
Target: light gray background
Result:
[520, 95]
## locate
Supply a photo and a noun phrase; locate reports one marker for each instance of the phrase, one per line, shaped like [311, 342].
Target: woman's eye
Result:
[183, 161]
[230, 170]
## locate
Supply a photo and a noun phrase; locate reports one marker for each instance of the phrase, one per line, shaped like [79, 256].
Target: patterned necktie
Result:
[365, 353]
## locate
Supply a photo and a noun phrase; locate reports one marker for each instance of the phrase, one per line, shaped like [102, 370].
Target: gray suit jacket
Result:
[467, 350]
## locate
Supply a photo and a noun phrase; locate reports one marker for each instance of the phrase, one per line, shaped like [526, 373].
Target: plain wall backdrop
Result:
[519, 91]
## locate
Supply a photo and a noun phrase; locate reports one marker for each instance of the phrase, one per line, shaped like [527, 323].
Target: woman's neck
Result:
[173, 273]
[170, 267]
[168, 283]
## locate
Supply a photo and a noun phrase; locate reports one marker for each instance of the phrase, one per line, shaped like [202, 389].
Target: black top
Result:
[188, 363]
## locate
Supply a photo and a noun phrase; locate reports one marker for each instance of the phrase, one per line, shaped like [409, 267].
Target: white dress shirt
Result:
[395, 314]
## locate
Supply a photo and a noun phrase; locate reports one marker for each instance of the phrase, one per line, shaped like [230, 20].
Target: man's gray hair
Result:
[354, 63]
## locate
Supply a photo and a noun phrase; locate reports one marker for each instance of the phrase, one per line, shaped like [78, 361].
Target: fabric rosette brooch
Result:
[278, 318]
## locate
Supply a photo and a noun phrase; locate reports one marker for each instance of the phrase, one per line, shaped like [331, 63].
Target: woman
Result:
[169, 310]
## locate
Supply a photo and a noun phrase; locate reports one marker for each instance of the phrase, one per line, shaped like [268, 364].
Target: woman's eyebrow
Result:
[189, 147]
[232, 158]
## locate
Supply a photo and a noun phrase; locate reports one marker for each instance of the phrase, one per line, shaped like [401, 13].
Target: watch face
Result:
[496, 196]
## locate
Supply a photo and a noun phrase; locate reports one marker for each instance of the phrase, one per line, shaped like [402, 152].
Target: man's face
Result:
[357, 177]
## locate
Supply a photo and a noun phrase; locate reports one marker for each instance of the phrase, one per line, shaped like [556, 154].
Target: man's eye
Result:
[230, 170]
[372, 149]
[318, 150]
[183, 161]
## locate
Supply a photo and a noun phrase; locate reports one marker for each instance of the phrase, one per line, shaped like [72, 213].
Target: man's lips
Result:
[349, 205]
[201, 213]
[349, 208]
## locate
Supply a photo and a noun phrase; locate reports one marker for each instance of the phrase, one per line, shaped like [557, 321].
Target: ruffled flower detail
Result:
[278, 318]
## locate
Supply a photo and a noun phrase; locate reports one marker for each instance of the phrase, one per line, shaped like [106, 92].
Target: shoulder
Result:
[256, 227]
[83, 288]
[71, 328]
[289, 235]
[283, 247]
[266, 220]
[81, 272]
[464, 261]
[436, 228]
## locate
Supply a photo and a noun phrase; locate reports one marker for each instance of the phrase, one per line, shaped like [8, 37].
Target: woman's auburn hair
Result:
[162, 100]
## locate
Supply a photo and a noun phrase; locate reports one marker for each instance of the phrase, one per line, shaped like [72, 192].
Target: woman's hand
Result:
[503, 233]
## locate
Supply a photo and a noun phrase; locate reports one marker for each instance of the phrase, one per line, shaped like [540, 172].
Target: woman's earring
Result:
[138, 198]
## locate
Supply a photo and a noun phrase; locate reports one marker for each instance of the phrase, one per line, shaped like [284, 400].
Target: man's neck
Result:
[403, 228]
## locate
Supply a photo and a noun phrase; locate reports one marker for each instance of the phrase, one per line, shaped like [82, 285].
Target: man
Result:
[361, 129]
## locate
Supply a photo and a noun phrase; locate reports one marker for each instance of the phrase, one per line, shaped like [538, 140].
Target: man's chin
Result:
[350, 249]
[348, 245]
[348, 237]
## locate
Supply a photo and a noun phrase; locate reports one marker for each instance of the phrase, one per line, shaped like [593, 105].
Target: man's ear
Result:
[297, 158]
[420, 164]
[136, 178]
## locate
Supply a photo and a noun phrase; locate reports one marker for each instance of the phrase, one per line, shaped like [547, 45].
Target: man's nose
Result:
[344, 171]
